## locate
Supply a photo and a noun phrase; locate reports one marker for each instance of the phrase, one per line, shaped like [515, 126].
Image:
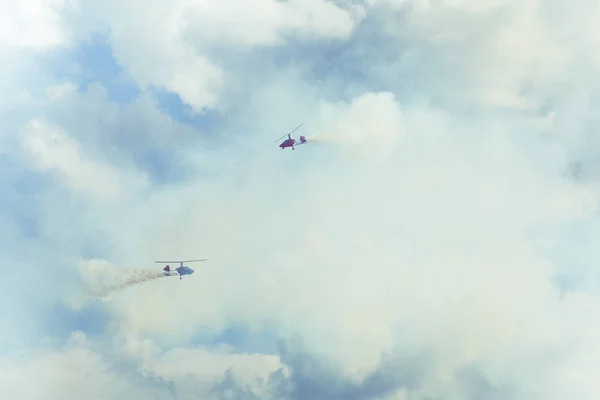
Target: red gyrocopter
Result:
[290, 141]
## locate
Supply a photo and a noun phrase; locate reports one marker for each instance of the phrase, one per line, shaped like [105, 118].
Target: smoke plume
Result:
[104, 279]
[134, 277]
[369, 126]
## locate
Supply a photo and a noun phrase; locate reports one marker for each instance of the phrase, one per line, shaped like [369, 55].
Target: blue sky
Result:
[431, 240]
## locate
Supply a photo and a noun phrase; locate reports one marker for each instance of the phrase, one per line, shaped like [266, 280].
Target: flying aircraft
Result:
[181, 270]
[291, 142]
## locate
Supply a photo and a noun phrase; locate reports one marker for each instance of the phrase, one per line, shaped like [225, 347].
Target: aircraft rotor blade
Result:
[293, 130]
[178, 261]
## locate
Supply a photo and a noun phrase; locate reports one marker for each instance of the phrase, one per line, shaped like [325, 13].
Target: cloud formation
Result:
[435, 241]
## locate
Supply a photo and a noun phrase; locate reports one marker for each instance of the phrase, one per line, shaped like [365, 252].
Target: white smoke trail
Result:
[321, 138]
[358, 145]
[103, 279]
[369, 126]
[134, 277]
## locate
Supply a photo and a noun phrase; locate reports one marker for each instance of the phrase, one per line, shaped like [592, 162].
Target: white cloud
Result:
[79, 371]
[439, 242]
[267, 21]
[50, 149]
[501, 54]
[28, 29]
[390, 255]
[165, 46]
[31, 24]
[396, 247]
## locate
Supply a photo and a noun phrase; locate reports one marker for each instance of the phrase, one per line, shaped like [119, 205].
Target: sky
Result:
[435, 239]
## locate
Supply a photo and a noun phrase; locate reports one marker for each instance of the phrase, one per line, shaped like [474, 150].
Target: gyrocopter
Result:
[290, 141]
[181, 270]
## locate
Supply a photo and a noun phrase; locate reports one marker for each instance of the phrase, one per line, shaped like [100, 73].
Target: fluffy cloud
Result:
[171, 48]
[52, 150]
[78, 370]
[33, 24]
[420, 247]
